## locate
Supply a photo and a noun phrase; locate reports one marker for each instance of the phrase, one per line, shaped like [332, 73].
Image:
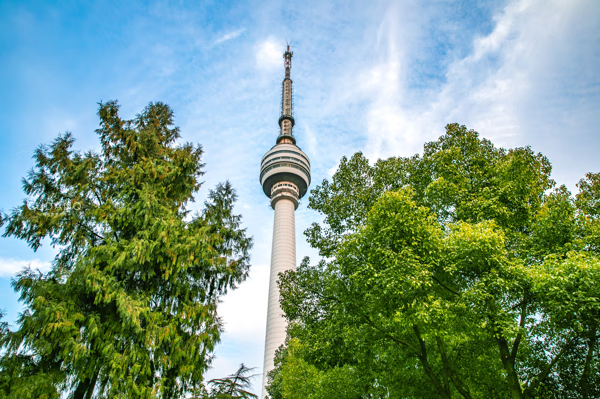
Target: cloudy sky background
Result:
[382, 77]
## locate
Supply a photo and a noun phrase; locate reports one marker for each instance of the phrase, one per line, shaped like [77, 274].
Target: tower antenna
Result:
[286, 120]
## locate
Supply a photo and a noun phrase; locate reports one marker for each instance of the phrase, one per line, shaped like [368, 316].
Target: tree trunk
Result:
[508, 361]
[449, 372]
[82, 388]
[85, 388]
[427, 367]
[92, 386]
[584, 383]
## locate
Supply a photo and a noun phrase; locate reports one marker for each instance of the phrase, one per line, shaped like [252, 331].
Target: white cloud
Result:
[229, 36]
[10, 267]
[268, 54]
[331, 171]
[390, 125]
[496, 89]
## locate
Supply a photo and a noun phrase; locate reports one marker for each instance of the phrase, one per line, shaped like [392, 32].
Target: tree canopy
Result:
[234, 386]
[462, 272]
[128, 308]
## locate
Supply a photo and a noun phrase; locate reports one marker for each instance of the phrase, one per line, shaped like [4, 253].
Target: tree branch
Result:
[427, 367]
[584, 382]
[89, 230]
[443, 285]
[508, 363]
[542, 376]
[460, 386]
[513, 352]
[388, 335]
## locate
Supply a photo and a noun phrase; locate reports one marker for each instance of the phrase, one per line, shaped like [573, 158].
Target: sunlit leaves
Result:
[462, 272]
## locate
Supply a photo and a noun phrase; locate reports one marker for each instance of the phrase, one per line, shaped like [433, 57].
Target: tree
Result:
[129, 307]
[234, 386]
[300, 379]
[459, 273]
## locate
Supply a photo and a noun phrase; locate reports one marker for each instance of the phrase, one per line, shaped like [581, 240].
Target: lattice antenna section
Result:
[286, 120]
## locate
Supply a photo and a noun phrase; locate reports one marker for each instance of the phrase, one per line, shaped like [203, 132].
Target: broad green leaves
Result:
[458, 273]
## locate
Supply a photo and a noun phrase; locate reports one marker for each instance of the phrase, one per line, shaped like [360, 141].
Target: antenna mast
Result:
[286, 120]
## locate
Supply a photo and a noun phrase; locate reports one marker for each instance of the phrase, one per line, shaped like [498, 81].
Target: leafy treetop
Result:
[128, 308]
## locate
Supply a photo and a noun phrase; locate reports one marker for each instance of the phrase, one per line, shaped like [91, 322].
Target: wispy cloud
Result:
[229, 36]
[497, 88]
[10, 267]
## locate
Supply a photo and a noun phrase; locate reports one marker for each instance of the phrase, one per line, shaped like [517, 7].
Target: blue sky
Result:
[382, 77]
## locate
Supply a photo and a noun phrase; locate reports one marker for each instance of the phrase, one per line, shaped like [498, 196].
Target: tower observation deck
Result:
[285, 177]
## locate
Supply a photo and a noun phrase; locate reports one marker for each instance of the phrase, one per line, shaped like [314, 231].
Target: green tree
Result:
[459, 273]
[234, 386]
[129, 307]
[302, 380]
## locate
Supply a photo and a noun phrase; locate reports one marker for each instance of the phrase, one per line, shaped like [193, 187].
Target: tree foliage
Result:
[128, 308]
[234, 386]
[464, 272]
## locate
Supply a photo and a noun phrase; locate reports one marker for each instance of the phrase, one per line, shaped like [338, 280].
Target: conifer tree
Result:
[234, 386]
[128, 308]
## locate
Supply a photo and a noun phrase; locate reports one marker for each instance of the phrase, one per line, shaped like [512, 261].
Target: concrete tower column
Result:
[285, 177]
[283, 257]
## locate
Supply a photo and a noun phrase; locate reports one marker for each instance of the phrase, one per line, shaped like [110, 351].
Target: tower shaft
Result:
[283, 257]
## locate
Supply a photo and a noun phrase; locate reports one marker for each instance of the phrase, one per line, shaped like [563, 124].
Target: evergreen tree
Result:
[129, 307]
[234, 386]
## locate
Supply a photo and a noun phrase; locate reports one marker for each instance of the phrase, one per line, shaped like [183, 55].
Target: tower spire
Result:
[286, 120]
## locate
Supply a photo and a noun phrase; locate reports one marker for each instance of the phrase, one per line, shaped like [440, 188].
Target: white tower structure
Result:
[285, 177]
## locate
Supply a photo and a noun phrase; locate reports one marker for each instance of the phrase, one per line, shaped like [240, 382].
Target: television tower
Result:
[285, 177]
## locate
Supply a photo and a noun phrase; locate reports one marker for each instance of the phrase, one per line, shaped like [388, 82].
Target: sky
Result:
[381, 77]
